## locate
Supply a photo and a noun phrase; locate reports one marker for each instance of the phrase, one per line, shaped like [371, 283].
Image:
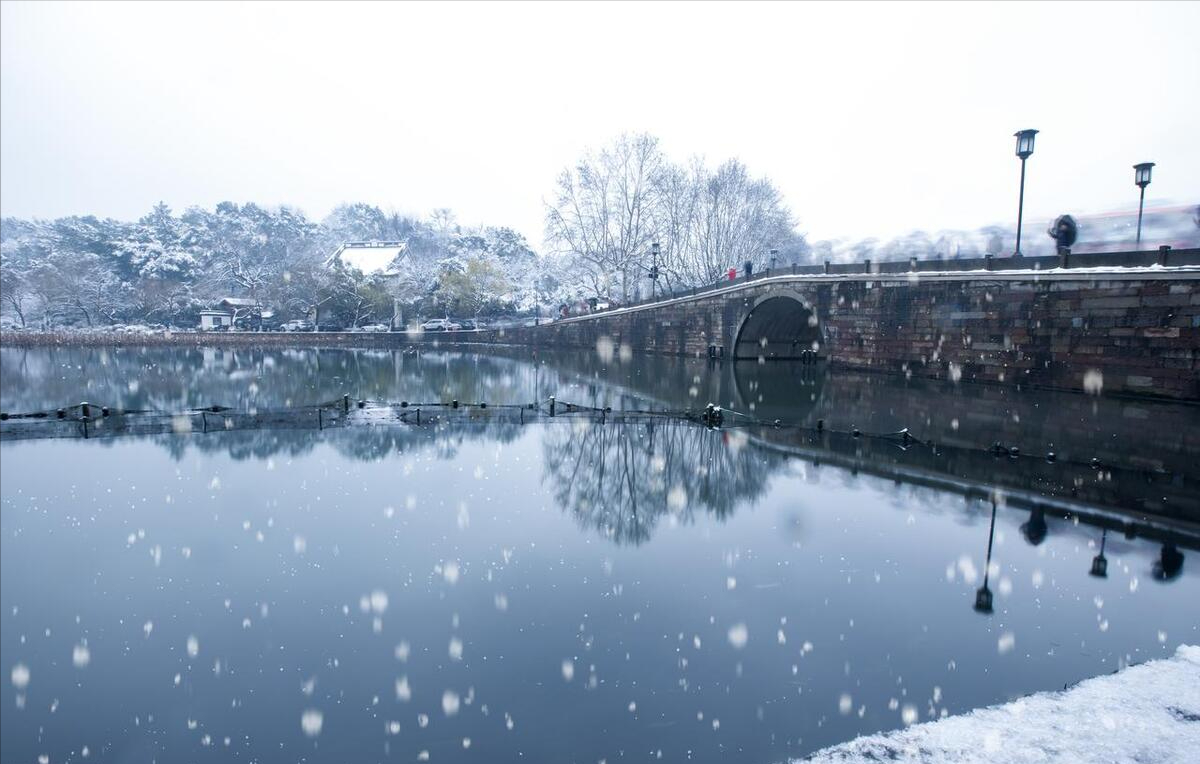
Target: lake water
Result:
[567, 590]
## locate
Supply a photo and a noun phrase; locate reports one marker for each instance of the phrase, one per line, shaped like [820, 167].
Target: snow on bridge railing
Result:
[1163, 256]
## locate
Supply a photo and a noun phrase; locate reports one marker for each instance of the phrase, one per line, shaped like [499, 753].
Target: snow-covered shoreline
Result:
[1145, 713]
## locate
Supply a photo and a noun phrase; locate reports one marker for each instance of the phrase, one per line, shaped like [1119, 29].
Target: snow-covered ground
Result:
[1145, 713]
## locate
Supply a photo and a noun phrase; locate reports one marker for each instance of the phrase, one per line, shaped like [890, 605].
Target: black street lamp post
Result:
[774, 257]
[654, 270]
[1141, 178]
[1024, 149]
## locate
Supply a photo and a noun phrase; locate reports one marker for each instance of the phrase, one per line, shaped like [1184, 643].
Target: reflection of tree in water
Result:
[178, 378]
[622, 480]
[358, 443]
[239, 444]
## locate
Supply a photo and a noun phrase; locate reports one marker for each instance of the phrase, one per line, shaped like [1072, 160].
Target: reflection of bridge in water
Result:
[647, 463]
[621, 473]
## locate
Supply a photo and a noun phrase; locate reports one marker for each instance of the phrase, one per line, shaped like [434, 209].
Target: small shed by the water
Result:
[215, 319]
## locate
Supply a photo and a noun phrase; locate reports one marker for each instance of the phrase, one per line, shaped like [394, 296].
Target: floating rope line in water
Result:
[86, 420]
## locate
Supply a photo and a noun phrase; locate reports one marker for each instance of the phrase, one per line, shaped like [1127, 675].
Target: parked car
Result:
[470, 324]
[441, 325]
[295, 325]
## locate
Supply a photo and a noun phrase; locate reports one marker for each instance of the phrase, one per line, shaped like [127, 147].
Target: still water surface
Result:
[560, 591]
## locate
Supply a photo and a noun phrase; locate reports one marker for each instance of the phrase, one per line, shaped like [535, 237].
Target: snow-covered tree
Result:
[166, 267]
[473, 287]
[611, 208]
[602, 216]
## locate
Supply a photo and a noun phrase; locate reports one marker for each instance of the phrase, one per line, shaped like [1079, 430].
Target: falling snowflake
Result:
[311, 722]
[738, 635]
[20, 676]
[450, 702]
[1006, 642]
[403, 691]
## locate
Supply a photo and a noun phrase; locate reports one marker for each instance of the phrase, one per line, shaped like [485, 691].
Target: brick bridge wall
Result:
[1140, 331]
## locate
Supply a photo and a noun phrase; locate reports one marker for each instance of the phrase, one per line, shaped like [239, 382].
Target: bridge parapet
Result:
[1163, 257]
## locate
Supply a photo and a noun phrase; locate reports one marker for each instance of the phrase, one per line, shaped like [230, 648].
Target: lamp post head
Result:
[654, 248]
[983, 600]
[1141, 174]
[1025, 142]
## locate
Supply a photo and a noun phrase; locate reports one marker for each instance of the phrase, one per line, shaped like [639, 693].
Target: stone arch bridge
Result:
[1133, 329]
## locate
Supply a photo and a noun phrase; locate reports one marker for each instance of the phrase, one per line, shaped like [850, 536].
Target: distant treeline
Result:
[164, 268]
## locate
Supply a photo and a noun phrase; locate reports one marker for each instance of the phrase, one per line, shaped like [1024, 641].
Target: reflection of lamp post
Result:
[1034, 530]
[1141, 179]
[1169, 564]
[983, 597]
[1024, 149]
[1100, 562]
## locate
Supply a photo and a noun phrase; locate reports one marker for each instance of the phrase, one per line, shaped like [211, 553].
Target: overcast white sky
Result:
[871, 119]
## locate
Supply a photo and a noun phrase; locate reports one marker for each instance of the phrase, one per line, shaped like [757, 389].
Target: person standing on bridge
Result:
[1064, 230]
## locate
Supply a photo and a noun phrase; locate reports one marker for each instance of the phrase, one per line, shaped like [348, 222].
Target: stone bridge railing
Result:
[1164, 257]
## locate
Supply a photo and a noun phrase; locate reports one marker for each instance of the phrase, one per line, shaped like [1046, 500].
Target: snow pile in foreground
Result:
[1146, 713]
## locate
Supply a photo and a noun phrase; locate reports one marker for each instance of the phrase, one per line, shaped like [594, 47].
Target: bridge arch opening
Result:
[778, 327]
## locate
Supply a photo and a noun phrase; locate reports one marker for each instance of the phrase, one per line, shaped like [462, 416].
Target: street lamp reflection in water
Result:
[983, 596]
[1100, 562]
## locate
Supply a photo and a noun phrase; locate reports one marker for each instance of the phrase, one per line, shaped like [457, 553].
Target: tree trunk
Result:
[16, 306]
